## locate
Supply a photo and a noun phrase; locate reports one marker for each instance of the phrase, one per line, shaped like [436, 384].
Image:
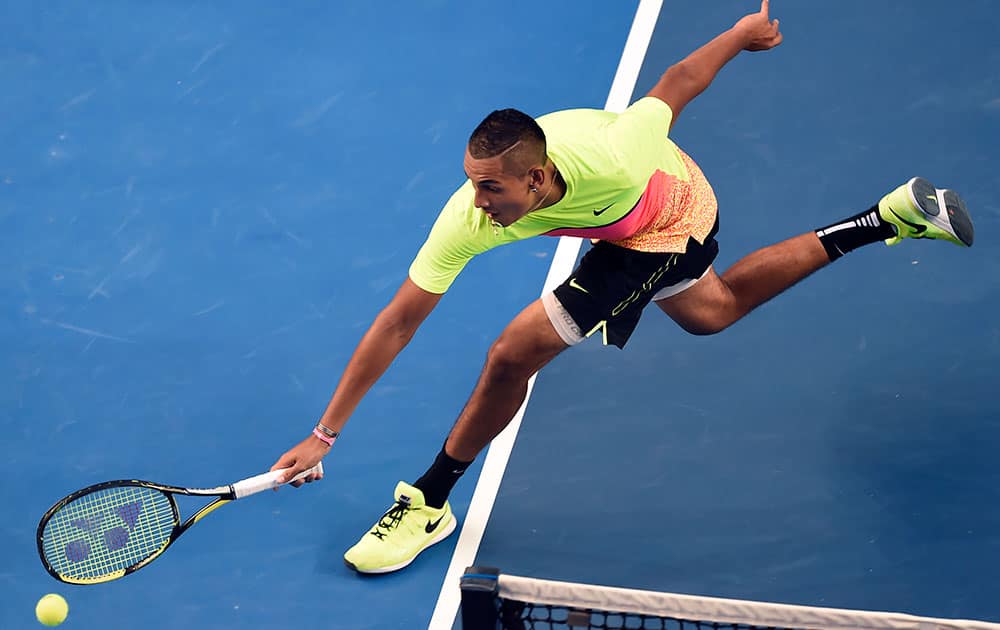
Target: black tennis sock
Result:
[852, 233]
[440, 478]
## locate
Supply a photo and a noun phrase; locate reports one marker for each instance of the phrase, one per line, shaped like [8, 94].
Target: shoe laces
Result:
[391, 519]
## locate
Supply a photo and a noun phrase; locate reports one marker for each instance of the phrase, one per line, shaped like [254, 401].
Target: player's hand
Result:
[759, 31]
[302, 456]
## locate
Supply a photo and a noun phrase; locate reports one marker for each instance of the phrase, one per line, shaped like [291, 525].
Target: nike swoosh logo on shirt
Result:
[598, 213]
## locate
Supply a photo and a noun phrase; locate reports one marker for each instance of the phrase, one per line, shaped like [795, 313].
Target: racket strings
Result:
[103, 533]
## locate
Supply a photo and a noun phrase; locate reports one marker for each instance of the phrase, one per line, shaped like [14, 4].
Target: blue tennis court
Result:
[205, 204]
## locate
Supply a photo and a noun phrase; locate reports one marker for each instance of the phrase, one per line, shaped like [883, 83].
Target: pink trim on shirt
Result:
[642, 215]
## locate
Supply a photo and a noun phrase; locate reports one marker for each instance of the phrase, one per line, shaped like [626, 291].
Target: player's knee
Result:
[706, 326]
[506, 360]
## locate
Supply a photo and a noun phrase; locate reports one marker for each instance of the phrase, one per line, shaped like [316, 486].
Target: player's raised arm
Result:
[386, 337]
[685, 80]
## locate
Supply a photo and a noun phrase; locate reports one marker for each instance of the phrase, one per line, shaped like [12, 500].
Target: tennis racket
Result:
[108, 530]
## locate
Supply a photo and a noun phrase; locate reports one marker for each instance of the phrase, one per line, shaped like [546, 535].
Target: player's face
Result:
[502, 196]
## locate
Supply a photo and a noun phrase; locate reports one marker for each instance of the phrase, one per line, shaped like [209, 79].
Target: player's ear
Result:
[536, 178]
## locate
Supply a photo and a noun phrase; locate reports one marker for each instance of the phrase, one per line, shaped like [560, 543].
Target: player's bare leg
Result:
[524, 347]
[714, 303]
[421, 515]
[916, 209]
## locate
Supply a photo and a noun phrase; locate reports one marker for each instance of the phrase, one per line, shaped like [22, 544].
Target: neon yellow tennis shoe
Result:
[919, 210]
[409, 527]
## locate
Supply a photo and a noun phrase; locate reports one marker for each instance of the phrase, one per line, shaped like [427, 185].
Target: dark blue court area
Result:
[204, 205]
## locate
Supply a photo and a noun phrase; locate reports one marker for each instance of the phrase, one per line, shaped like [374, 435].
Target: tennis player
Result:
[617, 179]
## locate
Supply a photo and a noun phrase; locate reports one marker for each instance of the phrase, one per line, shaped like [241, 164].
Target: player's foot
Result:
[919, 210]
[404, 531]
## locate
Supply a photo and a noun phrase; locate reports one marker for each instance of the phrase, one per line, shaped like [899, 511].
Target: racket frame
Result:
[224, 494]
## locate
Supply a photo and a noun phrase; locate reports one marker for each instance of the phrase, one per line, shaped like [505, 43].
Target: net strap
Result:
[713, 609]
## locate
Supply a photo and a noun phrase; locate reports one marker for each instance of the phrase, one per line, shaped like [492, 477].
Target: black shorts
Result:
[612, 285]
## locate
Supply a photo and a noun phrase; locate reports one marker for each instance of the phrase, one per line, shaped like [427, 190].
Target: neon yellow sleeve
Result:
[637, 135]
[459, 233]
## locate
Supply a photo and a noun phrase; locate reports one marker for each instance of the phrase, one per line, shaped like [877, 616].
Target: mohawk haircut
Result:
[501, 131]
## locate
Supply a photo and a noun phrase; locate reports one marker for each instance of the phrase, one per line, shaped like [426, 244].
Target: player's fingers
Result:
[307, 479]
[316, 476]
[293, 469]
[764, 7]
[284, 461]
[292, 466]
[285, 476]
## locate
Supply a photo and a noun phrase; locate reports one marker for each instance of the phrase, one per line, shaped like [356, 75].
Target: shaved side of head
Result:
[513, 135]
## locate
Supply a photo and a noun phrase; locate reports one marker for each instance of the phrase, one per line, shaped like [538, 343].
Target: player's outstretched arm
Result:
[685, 80]
[386, 337]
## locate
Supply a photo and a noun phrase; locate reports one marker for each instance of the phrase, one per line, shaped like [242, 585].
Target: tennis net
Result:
[491, 600]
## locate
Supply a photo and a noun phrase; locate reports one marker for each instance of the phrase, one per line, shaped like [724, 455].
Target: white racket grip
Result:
[269, 480]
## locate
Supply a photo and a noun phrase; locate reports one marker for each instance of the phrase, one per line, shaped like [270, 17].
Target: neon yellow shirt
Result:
[620, 172]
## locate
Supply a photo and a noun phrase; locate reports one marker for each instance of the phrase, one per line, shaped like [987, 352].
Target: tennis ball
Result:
[51, 610]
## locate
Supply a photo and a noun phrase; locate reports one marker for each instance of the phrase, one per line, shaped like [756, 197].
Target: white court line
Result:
[562, 264]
